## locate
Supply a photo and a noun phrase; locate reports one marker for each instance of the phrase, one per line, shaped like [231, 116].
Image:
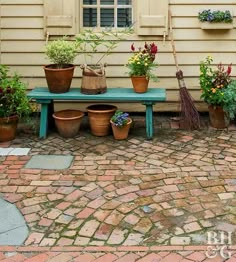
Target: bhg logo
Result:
[219, 243]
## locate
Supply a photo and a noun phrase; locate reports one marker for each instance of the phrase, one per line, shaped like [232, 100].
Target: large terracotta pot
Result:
[59, 79]
[99, 118]
[121, 133]
[68, 122]
[8, 126]
[218, 118]
[140, 83]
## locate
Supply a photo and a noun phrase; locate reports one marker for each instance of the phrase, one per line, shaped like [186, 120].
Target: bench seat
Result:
[42, 96]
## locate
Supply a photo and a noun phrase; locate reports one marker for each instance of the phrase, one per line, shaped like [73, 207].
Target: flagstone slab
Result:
[11, 151]
[13, 229]
[49, 162]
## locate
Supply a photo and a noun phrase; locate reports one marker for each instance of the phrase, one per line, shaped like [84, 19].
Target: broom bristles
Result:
[188, 112]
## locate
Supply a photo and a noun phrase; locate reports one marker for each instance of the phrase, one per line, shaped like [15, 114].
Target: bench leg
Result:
[149, 120]
[43, 121]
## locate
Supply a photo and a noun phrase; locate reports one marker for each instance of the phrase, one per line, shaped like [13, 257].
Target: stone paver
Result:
[13, 228]
[49, 162]
[133, 199]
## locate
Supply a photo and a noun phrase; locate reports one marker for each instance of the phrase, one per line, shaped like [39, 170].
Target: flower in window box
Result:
[216, 16]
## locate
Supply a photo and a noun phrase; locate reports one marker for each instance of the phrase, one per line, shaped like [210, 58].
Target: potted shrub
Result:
[215, 19]
[13, 103]
[120, 123]
[218, 91]
[61, 53]
[141, 65]
[92, 43]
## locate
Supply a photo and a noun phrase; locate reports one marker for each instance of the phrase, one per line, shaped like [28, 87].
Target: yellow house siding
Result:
[23, 40]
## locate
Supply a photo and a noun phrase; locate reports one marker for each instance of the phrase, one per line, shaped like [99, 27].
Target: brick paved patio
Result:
[133, 200]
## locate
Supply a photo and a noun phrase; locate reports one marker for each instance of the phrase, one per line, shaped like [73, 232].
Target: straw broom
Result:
[188, 113]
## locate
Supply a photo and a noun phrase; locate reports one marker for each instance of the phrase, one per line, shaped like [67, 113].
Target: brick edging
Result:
[103, 248]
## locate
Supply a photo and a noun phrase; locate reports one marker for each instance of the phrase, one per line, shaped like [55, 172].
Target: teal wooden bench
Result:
[42, 96]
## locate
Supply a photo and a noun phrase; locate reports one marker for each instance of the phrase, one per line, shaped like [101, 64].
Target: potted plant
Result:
[13, 103]
[141, 65]
[92, 43]
[217, 91]
[120, 123]
[61, 53]
[215, 19]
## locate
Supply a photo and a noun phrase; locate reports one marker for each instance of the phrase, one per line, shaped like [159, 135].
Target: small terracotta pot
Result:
[8, 126]
[121, 133]
[140, 83]
[68, 122]
[218, 117]
[59, 79]
[99, 118]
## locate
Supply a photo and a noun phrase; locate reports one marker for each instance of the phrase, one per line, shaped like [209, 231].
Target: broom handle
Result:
[172, 42]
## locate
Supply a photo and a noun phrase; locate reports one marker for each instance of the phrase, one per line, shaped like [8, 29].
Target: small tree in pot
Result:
[61, 53]
[91, 43]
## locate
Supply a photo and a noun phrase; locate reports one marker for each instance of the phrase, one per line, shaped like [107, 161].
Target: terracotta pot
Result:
[99, 118]
[121, 133]
[140, 83]
[8, 126]
[218, 118]
[59, 79]
[68, 122]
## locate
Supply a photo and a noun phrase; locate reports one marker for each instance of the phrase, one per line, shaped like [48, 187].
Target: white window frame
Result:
[115, 6]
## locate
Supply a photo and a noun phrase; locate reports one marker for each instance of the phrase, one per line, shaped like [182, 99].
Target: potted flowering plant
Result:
[120, 123]
[13, 103]
[141, 65]
[218, 91]
[218, 19]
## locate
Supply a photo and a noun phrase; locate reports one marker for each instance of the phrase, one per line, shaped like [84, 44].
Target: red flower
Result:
[132, 47]
[229, 69]
[154, 48]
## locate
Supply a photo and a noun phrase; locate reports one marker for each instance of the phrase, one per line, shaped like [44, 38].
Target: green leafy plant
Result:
[90, 42]
[120, 118]
[218, 89]
[230, 99]
[61, 52]
[215, 16]
[13, 98]
[142, 63]
[213, 82]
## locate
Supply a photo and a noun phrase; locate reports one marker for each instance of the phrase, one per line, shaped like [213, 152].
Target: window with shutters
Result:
[68, 17]
[106, 13]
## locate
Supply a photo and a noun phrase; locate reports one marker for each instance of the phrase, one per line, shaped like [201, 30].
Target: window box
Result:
[208, 26]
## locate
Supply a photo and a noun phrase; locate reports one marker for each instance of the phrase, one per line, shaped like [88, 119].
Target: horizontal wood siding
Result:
[23, 39]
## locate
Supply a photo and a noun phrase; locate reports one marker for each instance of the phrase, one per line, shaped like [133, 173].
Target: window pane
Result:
[90, 17]
[89, 2]
[124, 17]
[124, 2]
[107, 17]
[107, 2]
